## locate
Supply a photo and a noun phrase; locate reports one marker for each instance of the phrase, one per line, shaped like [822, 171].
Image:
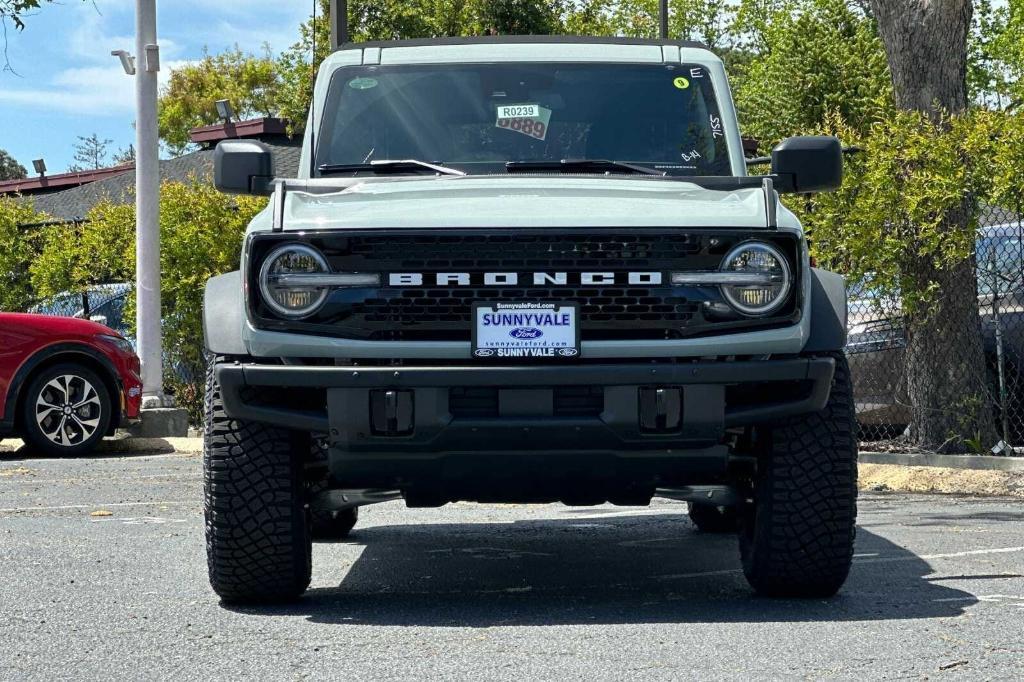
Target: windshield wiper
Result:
[389, 166]
[569, 165]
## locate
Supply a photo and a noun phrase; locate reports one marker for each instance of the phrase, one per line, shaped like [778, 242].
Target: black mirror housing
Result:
[243, 167]
[810, 163]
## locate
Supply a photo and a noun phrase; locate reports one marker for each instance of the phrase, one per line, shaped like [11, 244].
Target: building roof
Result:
[73, 202]
[257, 128]
[43, 184]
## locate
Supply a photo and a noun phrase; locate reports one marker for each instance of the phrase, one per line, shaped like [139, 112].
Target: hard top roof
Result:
[499, 40]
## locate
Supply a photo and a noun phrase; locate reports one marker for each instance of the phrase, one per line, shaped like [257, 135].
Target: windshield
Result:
[477, 117]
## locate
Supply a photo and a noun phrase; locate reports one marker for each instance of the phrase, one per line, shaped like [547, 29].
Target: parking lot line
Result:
[872, 560]
[947, 555]
[68, 507]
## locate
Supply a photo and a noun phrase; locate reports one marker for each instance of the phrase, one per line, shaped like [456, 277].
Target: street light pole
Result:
[147, 205]
[663, 19]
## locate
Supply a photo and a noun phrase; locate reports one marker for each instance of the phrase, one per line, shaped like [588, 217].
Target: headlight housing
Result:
[121, 343]
[765, 275]
[289, 298]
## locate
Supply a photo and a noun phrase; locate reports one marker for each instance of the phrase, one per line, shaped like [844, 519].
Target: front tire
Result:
[66, 411]
[258, 542]
[797, 537]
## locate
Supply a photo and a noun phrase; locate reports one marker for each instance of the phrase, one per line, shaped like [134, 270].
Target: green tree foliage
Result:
[896, 192]
[18, 246]
[124, 155]
[201, 234]
[707, 21]
[16, 10]
[10, 169]
[518, 17]
[251, 83]
[91, 153]
[819, 58]
[996, 70]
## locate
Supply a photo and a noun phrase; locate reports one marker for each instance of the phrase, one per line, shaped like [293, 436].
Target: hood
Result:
[505, 201]
[55, 324]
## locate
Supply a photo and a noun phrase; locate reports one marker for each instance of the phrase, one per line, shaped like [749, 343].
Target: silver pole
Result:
[1000, 357]
[147, 205]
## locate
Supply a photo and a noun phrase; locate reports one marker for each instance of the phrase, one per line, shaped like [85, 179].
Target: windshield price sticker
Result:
[519, 111]
[529, 119]
[526, 330]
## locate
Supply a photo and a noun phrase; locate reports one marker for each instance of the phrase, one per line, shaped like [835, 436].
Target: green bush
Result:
[911, 172]
[18, 247]
[201, 234]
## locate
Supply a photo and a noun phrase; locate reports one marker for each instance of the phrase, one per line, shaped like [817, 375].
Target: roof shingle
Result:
[73, 204]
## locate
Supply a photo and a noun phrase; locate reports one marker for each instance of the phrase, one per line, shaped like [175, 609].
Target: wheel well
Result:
[78, 358]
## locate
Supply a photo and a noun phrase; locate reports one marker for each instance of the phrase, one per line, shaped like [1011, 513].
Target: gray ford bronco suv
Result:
[527, 270]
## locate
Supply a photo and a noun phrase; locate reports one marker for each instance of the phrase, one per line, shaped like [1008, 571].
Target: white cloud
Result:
[89, 90]
[88, 81]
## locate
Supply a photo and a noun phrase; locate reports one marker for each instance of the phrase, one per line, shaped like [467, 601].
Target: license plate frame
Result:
[500, 344]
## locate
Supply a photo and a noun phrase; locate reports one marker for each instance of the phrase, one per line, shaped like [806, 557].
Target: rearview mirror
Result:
[810, 163]
[243, 167]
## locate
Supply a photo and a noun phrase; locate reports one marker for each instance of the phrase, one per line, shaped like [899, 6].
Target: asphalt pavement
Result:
[103, 576]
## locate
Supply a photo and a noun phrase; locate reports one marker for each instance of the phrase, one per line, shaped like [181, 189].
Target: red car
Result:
[65, 383]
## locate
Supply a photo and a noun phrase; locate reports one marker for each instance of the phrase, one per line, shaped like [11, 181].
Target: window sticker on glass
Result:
[529, 119]
[362, 83]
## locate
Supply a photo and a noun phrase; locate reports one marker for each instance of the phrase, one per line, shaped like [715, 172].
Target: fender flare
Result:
[64, 350]
[223, 315]
[828, 312]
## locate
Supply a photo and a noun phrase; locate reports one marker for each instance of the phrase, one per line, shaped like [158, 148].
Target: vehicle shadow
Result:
[628, 569]
[13, 449]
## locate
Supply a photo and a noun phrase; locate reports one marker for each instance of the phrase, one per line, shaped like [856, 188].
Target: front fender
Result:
[224, 315]
[828, 312]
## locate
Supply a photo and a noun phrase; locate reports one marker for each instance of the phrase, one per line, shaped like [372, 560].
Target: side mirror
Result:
[812, 163]
[243, 167]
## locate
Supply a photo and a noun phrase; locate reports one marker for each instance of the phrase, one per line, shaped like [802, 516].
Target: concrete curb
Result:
[975, 462]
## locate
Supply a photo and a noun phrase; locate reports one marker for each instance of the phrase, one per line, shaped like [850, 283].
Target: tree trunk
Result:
[926, 45]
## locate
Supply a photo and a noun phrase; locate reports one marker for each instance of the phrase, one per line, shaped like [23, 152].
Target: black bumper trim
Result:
[234, 377]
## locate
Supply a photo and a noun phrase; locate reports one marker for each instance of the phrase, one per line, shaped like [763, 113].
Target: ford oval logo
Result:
[484, 352]
[526, 333]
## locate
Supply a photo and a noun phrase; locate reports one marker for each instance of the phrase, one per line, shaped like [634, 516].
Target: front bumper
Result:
[338, 401]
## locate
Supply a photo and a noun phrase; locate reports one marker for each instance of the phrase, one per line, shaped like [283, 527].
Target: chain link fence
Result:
[979, 400]
[102, 303]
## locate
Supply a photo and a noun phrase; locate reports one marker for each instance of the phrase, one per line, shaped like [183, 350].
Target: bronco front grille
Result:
[579, 251]
[616, 311]
[611, 313]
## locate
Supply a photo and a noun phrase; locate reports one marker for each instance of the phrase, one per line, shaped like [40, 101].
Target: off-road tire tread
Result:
[800, 540]
[258, 544]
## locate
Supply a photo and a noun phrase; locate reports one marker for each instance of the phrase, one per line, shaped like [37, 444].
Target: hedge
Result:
[201, 233]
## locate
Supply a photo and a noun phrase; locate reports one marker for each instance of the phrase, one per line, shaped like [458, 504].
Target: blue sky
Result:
[67, 84]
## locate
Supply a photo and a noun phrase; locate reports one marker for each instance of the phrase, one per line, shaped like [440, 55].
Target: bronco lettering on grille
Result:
[511, 279]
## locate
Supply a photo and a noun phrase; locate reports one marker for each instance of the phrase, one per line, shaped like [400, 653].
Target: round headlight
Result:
[767, 282]
[288, 298]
